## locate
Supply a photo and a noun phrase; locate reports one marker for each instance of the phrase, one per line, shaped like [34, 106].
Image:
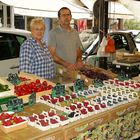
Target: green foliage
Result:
[132, 24]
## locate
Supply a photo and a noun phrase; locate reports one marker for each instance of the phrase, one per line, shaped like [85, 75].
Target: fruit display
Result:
[6, 115]
[92, 109]
[47, 119]
[91, 92]
[92, 74]
[11, 122]
[129, 84]
[28, 88]
[88, 73]
[75, 106]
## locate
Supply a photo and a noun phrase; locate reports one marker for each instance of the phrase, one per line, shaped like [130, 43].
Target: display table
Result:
[75, 128]
[71, 130]
[125, 64]
[31, 133]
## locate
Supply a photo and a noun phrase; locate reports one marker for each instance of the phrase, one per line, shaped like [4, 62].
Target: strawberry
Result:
[7, 122]
[41, 116]
[32, 119]
[37, 81]
[44, 123]
[85, 103]
[83, 111]
[49, 87]
[51, 113]
[96, 107]
[62, 118]
[90, 109]
[72, 107]
[44, 83]
[53, 121]
[54, 100]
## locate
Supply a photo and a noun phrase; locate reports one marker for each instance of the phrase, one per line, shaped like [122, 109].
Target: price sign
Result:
[15, 105]
[58, 90]
[32, 99]
[79, 85]
[4, 107]
[97, 83]
[13, 78]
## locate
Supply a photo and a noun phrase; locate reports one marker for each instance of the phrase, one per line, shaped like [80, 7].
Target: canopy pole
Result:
[25, 19]
[12, 18]
[4, 15]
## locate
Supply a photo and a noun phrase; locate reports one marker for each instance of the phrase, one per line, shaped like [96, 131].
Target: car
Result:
[10, 42]
[136, 36]
[134, 32]
[137, 40]
[124, 42]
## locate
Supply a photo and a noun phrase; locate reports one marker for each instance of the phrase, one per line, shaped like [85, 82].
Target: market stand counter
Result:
[73, 129]
[69, 131]
[32, 133]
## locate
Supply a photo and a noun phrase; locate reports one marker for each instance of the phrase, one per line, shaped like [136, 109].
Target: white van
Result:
[10, 42]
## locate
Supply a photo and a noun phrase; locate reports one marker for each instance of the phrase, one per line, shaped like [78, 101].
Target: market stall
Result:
[74, 106]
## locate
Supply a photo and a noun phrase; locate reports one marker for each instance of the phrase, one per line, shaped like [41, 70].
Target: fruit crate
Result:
[38, 95]
[38, 86]
[33, 77]
[11, 128]
[88, 73]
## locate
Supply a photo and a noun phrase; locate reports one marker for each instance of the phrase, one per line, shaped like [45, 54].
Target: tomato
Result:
[49, 87]
[37, 81]
[44, 83]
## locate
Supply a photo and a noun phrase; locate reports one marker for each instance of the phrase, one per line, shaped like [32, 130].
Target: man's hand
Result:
[71, 67]
[79, 65]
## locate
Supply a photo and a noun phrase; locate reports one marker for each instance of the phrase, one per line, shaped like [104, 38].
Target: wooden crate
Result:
[58, 135]
[123, 110]
[8, 129]
[88, 80]
[38, 95]
[33, 78]
[73, 129]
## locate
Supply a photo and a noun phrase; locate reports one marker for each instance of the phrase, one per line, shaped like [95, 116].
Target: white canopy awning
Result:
[115, 9]
[118, 10]
[46, 8]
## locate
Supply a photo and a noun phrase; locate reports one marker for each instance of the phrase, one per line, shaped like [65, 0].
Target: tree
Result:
[132, 24]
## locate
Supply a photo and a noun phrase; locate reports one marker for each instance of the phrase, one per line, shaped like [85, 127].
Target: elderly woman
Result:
[35, 57]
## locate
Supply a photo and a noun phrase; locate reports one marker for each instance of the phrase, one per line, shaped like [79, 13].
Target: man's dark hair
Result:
[63, 8]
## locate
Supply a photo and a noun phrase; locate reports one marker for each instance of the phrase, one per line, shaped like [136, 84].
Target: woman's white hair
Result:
[36, 21]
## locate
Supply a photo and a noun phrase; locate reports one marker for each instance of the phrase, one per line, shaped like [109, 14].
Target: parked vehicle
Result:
[10, 42]
[124, 41]
[136, 36]
[137, 41]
